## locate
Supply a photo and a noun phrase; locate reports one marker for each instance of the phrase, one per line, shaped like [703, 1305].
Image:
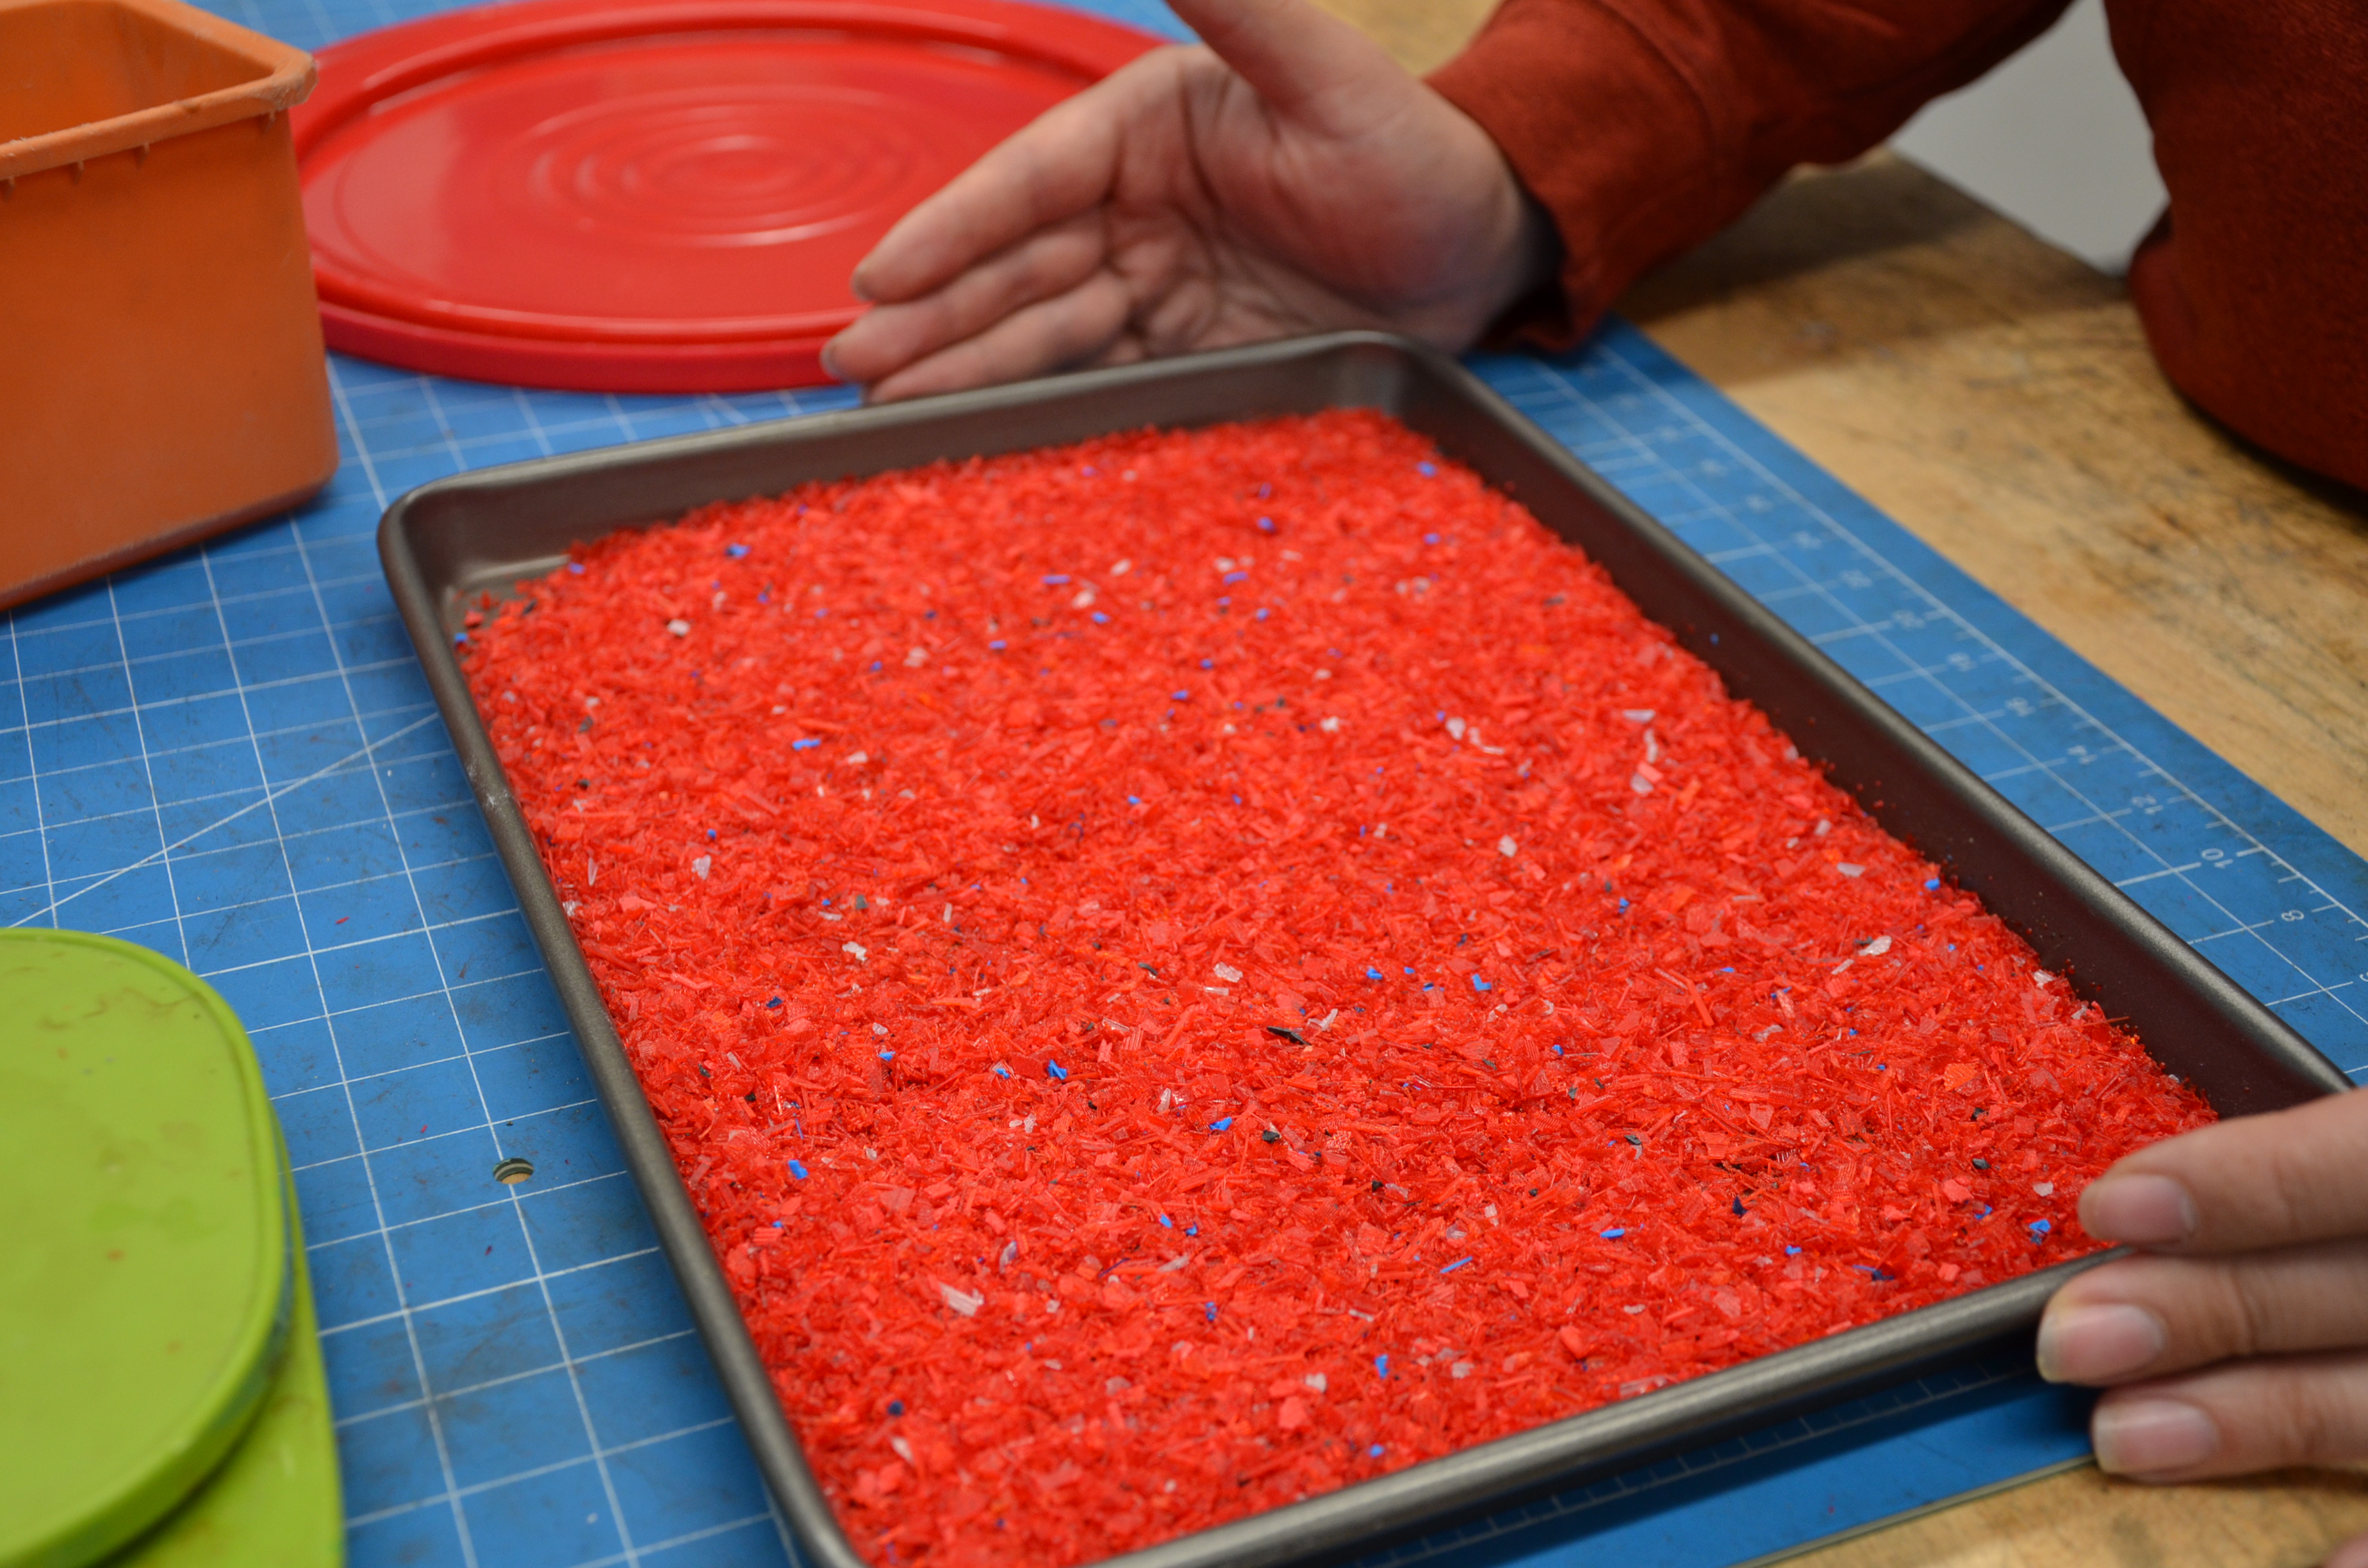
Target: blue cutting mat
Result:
[230, 756]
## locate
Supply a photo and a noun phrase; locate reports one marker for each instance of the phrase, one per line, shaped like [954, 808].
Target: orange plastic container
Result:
[161, 372]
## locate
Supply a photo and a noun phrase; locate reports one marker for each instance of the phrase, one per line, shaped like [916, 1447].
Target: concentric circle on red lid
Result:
[629, 196]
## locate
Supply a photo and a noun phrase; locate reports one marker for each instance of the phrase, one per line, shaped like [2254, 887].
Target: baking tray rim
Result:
[1363, 1515]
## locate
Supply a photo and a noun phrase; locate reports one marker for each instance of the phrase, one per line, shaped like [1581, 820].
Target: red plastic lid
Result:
[652, 195]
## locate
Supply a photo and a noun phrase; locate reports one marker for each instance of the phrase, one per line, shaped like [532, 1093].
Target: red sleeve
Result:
[1645, 126]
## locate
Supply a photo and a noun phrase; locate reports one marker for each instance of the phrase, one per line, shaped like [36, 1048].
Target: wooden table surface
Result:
[1995, 396]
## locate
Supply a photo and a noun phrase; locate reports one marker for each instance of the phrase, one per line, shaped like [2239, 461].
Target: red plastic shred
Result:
[1191, 969]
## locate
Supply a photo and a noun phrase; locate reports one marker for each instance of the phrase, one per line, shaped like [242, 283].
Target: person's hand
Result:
[1288, 178]
[2239, 1340]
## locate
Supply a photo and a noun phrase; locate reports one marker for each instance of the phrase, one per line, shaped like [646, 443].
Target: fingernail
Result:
[2142, 1436]
[2146, 1210]
[2093, 1345]
[855, 286]
[830, 361]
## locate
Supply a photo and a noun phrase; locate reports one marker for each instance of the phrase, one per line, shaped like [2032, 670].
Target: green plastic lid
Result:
[145, 1275]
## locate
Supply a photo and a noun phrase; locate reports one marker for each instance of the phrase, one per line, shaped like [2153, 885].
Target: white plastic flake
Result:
[961, 1302]
[1637, 715]
[2041, 978]
[1846, 869]
[916, 658]
[862, 954]
[2045, 1188]
[680, 628]
[1315, 1381]
[1330, 726]
[1507, 848]
[1877, 947]
[1455, 727]
[1226, 972]
[1638, 782]
[700, 866]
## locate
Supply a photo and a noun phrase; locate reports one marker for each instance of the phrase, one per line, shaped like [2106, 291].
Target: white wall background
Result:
[2053, 140]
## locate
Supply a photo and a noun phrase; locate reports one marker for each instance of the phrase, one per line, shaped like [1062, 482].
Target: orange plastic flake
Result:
[1192, 969]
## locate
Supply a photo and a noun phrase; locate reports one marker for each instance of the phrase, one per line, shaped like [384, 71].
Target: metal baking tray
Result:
[447, 541]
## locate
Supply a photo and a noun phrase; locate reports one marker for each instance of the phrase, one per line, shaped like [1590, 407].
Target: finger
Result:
[2272, 1180]
[2146, 1316]
[1295, 57]
[1053, 168]
[888, 337]
[2233, 1420]
[2352, 1554]
[1049, 335]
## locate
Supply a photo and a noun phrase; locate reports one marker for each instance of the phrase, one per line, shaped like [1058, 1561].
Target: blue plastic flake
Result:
[774, 1003]
[1057, 1072]
[797, 1170]
[895, 1407]
[1181, 696]
[1382, 1365]
[1168, 1223]
[1431, 539]
[1428, 470]
[998, 644]
[1933, 885]
[1208, 664]
[807, 745]
[459, 638]
[1557, 1051]
[1233, 577]
[1409, 969]
[1055, 579]
[736, 552]
[576, 567]
[1266, 525]
[1191, 1230]
[1135, 800]
[1100, 619]
[1220, 1124]
[1262, 614]
[2039, 1229]
[1480, 984]
[711, 838]
[1615, 1232]
[1373, 973]
[1624, 907]
[887, 1056]
[875, 667]
[1001, 1071]
[1212, 1310]
[1456, 1265]
[1791, 1252]
[1374, 1452]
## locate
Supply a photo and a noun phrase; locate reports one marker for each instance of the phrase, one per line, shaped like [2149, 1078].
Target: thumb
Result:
[1294, 56]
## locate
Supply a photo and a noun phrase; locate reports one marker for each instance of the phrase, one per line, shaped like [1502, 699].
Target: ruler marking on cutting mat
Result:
[488, 1400]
